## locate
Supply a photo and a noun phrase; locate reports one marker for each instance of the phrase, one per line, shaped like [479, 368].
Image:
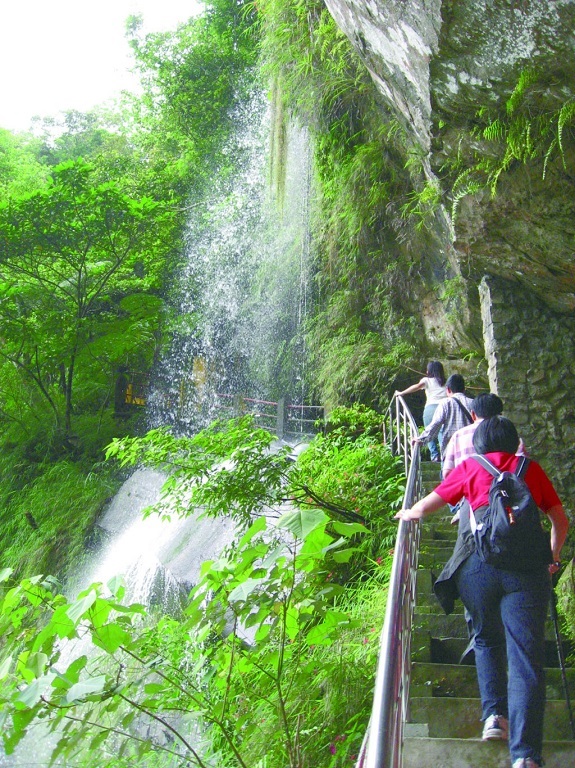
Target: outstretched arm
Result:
[430, 503]
[559, 527]
[414, 388]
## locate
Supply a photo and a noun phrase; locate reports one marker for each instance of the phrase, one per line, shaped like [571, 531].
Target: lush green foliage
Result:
[76, 269]
[49, 518]
[20, 169]
[232, 468]
[271, 660]
[193, 80]
[364, 176]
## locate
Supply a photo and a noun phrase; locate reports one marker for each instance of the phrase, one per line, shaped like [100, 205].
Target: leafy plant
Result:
[273, 589]
[68, 253]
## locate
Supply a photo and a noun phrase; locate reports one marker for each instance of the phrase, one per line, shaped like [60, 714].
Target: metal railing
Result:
[282, 418]
[382, 746]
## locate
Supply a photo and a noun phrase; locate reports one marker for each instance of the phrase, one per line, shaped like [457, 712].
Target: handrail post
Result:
[281, 417]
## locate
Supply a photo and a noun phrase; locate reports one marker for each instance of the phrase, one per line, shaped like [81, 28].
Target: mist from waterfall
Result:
[242, 294]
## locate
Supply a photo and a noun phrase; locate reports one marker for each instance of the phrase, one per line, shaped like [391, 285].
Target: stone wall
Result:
[530, 352]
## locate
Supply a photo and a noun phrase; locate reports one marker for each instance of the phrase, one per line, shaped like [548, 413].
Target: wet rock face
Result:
[445, 71]
[525, 234]
[485, 44]
[435, 64]
[396, 40]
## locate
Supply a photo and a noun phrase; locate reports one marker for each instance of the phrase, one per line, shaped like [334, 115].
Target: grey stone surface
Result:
[531, 352]
[435, 63]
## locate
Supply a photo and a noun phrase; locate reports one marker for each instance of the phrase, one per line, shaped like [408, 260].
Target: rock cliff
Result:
[486, 91]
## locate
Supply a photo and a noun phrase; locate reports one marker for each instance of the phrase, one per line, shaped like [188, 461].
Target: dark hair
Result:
[487, 405]
[496, 434]
[435, 371]
[455, 383]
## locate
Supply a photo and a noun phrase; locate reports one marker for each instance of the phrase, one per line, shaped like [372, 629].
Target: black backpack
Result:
[508, 532]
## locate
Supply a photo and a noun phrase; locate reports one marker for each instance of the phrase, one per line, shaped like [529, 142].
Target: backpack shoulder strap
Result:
[486, 464]
[522, 465]
[464, 409]
[520, 470]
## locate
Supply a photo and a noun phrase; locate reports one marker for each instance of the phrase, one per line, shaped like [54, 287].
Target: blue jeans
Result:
[433, 445]
[508, 610]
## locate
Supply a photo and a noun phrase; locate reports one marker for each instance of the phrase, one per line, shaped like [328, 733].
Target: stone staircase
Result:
[445, 729]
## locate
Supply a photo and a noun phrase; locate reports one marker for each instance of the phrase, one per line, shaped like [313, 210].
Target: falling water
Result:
[246, 276]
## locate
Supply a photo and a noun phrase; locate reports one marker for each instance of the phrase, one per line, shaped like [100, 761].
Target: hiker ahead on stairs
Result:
[508, 606]
[451, 414]
[434, 385]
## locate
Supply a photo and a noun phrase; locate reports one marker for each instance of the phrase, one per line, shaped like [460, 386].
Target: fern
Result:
[565, 117]
[527, 78]
[495, 131]
[526, 130]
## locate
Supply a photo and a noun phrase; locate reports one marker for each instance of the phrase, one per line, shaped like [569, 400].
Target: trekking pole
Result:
[561, 656]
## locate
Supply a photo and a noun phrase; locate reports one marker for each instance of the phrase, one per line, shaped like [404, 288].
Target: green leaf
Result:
[37, 662]
[5, 666]
[302, 521]
[33, 692]
[110, 637]
[117, 586]
[152, 688]
[244, 590]
[348, 529]
[323, 633]
[258, 526]
[86, 688]
[71, 675]
[83, 604]
[344, 555]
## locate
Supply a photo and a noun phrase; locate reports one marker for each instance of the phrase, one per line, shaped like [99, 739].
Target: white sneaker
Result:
[525, 762]
[497, 727]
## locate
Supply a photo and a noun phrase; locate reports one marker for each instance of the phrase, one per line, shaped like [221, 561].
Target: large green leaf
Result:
[110, 637]
[83, 604]
[32, 693]
[5, 666]
[86, 688]
[302, 521]
[245, 590]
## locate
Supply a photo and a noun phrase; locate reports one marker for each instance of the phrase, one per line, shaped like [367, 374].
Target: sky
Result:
[58, 55]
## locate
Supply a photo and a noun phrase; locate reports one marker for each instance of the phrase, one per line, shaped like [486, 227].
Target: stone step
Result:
[430, 469]
[445, 708]
[439, 529]
[438, 625]
[460, 718]
[424, 591]
[421, 752]
[453, 680]
[448, 650]
[434, 554]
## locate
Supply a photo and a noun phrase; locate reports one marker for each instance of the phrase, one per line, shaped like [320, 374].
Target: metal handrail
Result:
[382, 746]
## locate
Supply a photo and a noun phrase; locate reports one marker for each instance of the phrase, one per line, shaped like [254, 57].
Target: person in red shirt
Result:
[508, 608]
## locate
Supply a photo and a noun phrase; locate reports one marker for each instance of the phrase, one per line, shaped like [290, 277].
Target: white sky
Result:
[57, 55]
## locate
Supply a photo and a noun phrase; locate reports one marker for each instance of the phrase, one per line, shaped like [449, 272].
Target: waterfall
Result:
[246, 275]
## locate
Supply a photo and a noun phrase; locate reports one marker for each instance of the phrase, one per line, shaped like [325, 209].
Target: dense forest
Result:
[95, 214]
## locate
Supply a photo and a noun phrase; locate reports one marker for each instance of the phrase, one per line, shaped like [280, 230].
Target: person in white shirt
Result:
[435, 391]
